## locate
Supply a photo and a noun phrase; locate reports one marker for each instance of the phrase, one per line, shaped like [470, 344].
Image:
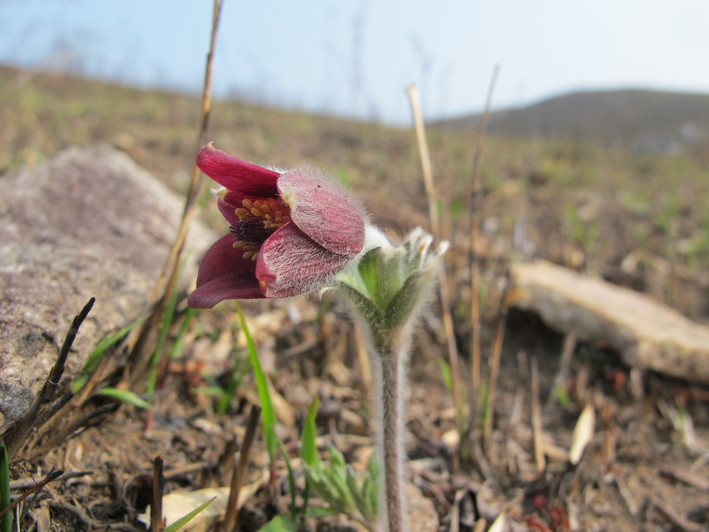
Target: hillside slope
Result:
[639, 119]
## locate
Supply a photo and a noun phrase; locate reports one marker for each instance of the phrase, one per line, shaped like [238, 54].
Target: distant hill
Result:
[642, 120]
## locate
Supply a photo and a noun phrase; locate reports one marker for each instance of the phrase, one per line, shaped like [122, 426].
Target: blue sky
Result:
[355, 57]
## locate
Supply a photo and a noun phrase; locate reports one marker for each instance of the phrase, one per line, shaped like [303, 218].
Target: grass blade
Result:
[100, 350]
[158, 361]
[308, 446]
[125, 396]
[6, 519]
[281, 523]
[268, 413]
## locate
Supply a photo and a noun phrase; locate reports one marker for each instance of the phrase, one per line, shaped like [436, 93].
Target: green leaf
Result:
[380, 272]
[371, 314]
[6, 519]
[336, 458]
[164, 331]
[403, 305]
[368, 268]
[281, 523]
[319, 511]
[446, 374]
[216, 391]
[100, 350]
[178, 345]
[336, 475]
[370, 494]
[562, 396]
[182, 521]
[357, 495]
[308, 445]
[291, 480]
[372, 488]
[268, 413]
[236, 376]
[125, 396]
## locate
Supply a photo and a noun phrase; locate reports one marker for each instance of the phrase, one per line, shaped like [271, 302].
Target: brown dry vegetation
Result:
[639, 221]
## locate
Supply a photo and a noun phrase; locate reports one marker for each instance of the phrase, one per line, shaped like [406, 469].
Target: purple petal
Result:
[227, 204]
[224, 274]
[290, 263]
[324, 211]
[235, 174]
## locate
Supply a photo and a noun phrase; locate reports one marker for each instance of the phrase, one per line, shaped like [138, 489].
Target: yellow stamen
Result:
[263, 206]
[242, 213]
[273, 212]
[250, 249]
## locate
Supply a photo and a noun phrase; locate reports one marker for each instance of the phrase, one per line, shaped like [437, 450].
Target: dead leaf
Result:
[583, 432]
[177, 504]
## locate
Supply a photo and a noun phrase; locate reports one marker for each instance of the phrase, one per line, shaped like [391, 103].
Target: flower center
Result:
[258, 219]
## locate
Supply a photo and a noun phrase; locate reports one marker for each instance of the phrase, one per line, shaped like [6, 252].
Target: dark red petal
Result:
[227, 204]
[224, 274]
[235, 174]
[290, 263]
[324, 211]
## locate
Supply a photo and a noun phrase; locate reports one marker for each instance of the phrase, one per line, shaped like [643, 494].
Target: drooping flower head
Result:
[289, 232]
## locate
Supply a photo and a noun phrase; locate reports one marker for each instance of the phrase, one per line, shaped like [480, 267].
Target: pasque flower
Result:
[289, 232]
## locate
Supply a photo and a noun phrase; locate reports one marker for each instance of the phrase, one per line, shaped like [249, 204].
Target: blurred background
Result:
[353, 58]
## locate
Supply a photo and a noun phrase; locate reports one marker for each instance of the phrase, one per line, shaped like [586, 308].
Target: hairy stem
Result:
[389, 396]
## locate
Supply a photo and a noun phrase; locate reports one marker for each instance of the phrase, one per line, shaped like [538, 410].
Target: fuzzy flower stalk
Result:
[387, 288]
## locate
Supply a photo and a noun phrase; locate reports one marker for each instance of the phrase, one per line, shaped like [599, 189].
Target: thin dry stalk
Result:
[675, 518]
[32, 490]
[495, 357]
[475, 204]
[168, 278]
[231, 519]
[426, 167]
[685, 476]
[156, 518]
[14, 437]
[539, 459]
[414, 100]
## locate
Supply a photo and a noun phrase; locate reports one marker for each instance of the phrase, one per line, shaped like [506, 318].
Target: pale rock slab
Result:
[646, 333]
[90, 222]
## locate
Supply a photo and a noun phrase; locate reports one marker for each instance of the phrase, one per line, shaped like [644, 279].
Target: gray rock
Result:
[88, 223]
[646, 333]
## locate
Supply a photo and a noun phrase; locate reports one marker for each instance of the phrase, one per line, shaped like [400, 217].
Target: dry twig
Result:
[495, 362]
[539, 459]
[168, 279]
[32, 489]
[156, 515]
[14, 437]
[426, 169]
[231, 519]
[475, 204]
